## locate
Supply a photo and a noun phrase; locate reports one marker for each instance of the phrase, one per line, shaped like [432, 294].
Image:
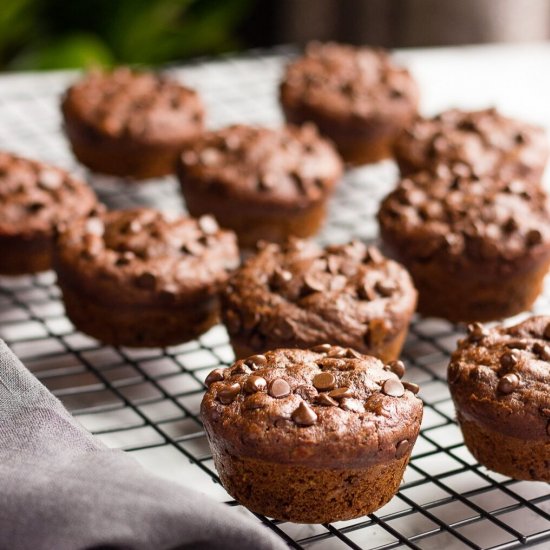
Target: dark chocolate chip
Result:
[227, 394]
[325, 400]
[542, 350]
[411, 386]
[280, 277]
[215, 376]
[352, 354]
[476, 332]
[35, 206]
[517, 344]
[397, 367]
[313, 283]
[256, 361]
[146, 280]
[323, 348]
[508, 383]
[208, 225]
[340, 393]
[324, 381]
[255, 384]
[304, 415]
[385, 288]
[393, 387]
[533, 237]
[402, 448]
[240, 368]
[279, 388]
[374, 255]
[510, 225]
[519, 138]
[509, 359]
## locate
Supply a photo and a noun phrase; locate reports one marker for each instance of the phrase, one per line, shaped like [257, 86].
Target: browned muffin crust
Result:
[138, 263]
[476, 143]
[300, 295]
[500, 383]
[356, 96]
[486, 239]
[34, 199]
[263, 183]
[328, 407]
[129, 123]
[311, 436]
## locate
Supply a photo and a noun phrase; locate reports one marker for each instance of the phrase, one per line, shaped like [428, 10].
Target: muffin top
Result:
[302, 295]
[325, 407]
[475, 143]
[290, 165]
[139, 105]
[501, 377]
[465, 220]
[142, 255]
[348, 82]
[36, 197]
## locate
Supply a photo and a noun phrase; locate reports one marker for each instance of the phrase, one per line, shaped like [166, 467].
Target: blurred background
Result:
[55, 34]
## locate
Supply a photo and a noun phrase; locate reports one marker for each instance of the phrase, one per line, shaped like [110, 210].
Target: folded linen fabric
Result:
[62, 488]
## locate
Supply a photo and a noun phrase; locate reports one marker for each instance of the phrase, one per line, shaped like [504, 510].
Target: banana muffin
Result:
[139, 278]
[500, 384]
[311, 436]
[34, 199]
[262, 183]
[131, 124]
[300, 295]
[476, 143]
[358, 97]
[477, 249]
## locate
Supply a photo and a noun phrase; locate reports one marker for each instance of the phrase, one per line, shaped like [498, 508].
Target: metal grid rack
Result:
[147, 401]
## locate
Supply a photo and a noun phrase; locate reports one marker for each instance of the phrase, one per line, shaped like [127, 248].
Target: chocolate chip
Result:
[517, 344]
[508, 359]
[168, 294]
[227, 394]
[352, 405]
[366, 292]
[280, 277]
[508, 383]
[323, 348]
[510, 225]
[208, 225]
[313, 283]
[215, 376]
[374, 255]
[519, 138]
[304, 415]
[279, 388]
[411, 386]
[146, 280]
[533, 237]
[256, 361]
[402, 448]
[255, 384]
[393, 387]
[324, 381]
[352, 354]
[546, 332]
[326, 400]
[397, 367]
[542, 350]
[125, 258]
[476, 332]
[340, 393]
[240, 368]
[385, 288]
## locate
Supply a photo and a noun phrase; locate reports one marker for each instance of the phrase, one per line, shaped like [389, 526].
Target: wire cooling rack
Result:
[147, 401]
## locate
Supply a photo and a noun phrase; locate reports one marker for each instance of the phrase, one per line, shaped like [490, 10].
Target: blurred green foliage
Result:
[53, 34]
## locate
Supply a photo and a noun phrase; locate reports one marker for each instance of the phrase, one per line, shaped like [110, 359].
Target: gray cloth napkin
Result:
[62, 488]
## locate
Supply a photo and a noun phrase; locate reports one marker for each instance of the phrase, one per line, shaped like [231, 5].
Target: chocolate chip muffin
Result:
[357, 97]
[34, 199]
[500, 383]
[477, 249]
[300, 295]
[475, 143]
[311, 436]
[139, 278]
[262, 183]
[129, 123]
